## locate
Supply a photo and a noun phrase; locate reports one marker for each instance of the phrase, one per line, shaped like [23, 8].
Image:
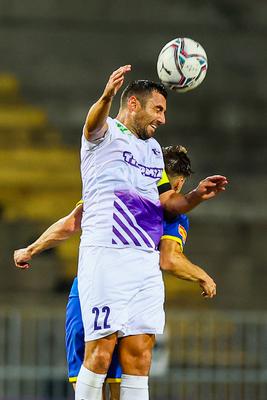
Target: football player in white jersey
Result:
[172, 260]
[120, 284]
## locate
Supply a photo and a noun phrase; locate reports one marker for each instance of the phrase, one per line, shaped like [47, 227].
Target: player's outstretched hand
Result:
[211, 186]
[209, 287]
[22, 258]
[115, 81]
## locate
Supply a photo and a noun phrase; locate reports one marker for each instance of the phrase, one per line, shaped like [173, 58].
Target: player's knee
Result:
[98, 361]
[144, 362]
[145, 359]
[137, 363]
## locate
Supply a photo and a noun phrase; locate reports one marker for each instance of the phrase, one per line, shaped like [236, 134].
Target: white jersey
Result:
[121, 202]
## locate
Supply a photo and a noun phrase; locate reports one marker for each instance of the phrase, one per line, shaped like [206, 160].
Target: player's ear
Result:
[133, 103]
[178, 184]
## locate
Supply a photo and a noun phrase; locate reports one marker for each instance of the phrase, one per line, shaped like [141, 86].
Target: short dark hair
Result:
[177, 161]
[141, 89]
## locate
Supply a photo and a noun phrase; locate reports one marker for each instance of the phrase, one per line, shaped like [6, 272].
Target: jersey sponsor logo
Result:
[123, 129]
[151, 172]
[182, 232]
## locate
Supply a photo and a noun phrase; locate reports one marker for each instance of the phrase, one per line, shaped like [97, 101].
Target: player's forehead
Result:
[156, 99]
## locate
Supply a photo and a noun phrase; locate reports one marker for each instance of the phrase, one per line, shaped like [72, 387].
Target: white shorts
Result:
[120, 290]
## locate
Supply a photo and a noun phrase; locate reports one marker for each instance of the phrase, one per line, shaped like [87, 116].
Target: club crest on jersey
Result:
[156, 152]
[182, 232]
[151, 172]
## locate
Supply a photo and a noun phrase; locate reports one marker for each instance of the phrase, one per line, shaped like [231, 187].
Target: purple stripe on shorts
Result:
[114, 241]
[117, 233]
[118, 207]
[125, 229]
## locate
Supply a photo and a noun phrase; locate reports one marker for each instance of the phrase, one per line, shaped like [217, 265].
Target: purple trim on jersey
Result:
[125, 229]
[114, 241]
[148, 215]
[119, 236]
[118, 207]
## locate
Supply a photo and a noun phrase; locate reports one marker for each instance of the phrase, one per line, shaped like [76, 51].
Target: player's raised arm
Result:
[53, 236]
[95, 124]
[207, 189]
[173, 261]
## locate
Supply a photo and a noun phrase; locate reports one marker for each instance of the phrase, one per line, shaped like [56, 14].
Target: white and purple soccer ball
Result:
[182, 64]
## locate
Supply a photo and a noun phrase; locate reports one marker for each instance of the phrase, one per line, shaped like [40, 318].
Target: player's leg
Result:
[98, 353]
[74, 338]
[75, 349]
[114, 391]
[103, 315]
[108, 280]
[135, 358]
[146, 318]
[97, 358]
[104, 397]
[114, 376]
[136, 354]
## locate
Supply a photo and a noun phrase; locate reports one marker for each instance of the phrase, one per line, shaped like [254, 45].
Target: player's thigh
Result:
[98, 353]
[114, 372]
[135, 354]
[113, 378]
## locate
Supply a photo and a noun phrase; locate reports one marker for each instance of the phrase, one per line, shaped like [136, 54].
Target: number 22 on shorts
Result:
[105, 310]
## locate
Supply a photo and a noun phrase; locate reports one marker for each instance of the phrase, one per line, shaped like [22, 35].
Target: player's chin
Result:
[146, 134]
[150, 131]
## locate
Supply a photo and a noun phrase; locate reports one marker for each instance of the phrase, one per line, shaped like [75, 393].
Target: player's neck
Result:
[123, 117]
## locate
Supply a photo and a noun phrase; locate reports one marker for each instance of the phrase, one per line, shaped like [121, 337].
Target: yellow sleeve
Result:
[176, 239]
[164, 179]
[164, 184]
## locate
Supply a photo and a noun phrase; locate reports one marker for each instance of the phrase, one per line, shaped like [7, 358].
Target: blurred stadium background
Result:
[55, 58]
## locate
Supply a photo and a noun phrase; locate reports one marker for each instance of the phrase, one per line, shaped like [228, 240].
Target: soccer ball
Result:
[182, 64]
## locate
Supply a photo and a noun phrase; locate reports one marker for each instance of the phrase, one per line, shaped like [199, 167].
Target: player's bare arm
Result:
[95, 124]
[173, 261]
[53, 236]
[207, 189]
